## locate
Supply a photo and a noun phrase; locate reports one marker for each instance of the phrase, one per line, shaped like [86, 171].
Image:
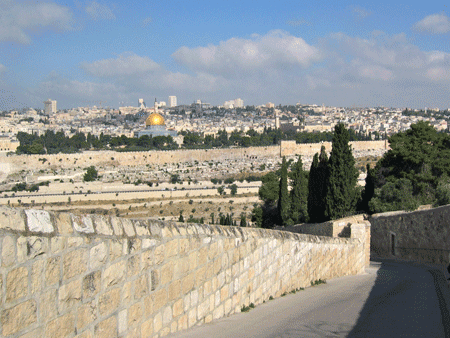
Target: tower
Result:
[50, 106]
[172, 101]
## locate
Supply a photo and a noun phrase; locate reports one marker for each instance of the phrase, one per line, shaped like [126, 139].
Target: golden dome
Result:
[154, 119]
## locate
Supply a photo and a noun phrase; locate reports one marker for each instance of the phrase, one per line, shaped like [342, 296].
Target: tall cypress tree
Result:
[313, 191]
[299, 193]
[317, 187]
[342, 193]
[283, 200]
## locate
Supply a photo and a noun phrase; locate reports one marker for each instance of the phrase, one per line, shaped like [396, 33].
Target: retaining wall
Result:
[422, 235]
[63, 275]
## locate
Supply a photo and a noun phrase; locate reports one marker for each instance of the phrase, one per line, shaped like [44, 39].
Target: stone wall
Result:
[349, 227]
[309, 149]
[422, 235]
[63, 275]
[113, 158]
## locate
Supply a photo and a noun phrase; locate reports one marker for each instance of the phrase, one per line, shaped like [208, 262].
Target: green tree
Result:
[283, 199]
[91, 174]
[233, 189]
[181, 218]
[369, 190]
[299, 193]
[243, 222]
[396, 195]
[317, 187]
[267, 215]
[342, 193]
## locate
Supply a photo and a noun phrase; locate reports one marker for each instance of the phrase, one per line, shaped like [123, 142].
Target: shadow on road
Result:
[407, 300]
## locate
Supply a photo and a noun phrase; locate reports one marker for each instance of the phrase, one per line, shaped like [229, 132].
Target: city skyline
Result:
[392, 54]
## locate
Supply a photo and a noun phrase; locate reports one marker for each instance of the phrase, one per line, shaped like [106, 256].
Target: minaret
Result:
[156, 106]
[277, 120]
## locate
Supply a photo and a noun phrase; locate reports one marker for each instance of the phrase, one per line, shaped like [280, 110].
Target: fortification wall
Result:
[112, 158]
[422, 235]
[63, 275]
[289, 148]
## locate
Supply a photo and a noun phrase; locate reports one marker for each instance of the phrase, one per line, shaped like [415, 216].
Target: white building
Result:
[50, 106]
[172, 101]
[238, 103]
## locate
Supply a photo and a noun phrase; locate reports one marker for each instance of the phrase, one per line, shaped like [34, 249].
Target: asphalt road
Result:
[391, 300]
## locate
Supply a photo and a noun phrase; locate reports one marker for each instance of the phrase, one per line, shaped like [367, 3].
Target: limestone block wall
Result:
[422, 235]
[309, 149]
[63, 275]
[349, 227]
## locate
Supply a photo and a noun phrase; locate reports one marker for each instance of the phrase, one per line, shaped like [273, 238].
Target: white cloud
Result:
[438, 73]
[275, 50]
[360, 13]
[434, 24]
[99, 12]
[127, 64]
[18, 19]
[376, 72]
[2, 68]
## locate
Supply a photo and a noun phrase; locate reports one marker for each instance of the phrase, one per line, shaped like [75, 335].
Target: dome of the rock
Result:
[154, 119]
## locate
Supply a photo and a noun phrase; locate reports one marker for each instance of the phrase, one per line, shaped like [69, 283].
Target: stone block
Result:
[86, 315]
[171, 248]
[83, 224]
[63, 223]
[174, 290]
[157, 323]
[178, 308]
[39, 221]
[187, 283]
[91, 284]
[37, 275]
[218, 312]
[31, 247]
[122, 323]
[48, 305]
[167, 272]
[140, 287]
[63, 326]
[167, 315]
[52, 270]
[8, 251]
[127, 292]
[192, 317]
[147, 329]
[147, 259]
[159, 299]
[34, 333]
[102, 225]
[109, 301]
[114, 274]
[116, 225]
[98, 256]
[158, 255]
[128, 227]
[106, 328]
[134, 314]
[12, 219]
[18, 317]
[141, 228]
[133, 266]
[69, 295]
[115, 249]
[74, 263]
[56, 244]
[202, 256]
[16, 284]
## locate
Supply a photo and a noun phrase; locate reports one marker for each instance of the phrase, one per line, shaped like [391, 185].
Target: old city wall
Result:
[111, 158]
[309, 149]
[63, 275]
[422, 235]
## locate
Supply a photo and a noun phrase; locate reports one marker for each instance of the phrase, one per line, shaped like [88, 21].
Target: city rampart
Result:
[289, 148]
[64, 275]
[85, 159]
[422, 235]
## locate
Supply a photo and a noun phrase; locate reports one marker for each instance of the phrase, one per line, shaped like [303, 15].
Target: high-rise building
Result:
[50, 106]
[172, 101]
[141, 104]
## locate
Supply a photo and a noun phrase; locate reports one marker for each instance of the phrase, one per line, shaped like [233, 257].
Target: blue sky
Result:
[388, 53]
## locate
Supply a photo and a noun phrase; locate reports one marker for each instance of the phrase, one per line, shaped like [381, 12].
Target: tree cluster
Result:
[328, 192]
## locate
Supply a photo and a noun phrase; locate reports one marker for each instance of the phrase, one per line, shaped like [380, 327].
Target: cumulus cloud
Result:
[434, 24]
[127, 64]
[18, 19]
[99, 12]
[275, 50]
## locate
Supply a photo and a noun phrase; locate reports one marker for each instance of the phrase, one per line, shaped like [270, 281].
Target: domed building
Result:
[156, 126]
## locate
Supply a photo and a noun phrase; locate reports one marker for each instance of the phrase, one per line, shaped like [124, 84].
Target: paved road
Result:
[391, 300]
